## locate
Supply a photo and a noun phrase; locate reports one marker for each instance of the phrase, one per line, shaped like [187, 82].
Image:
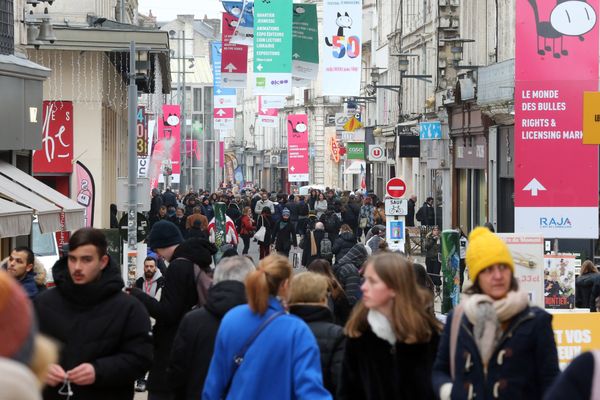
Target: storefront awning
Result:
[14, 219]
[45, 202]
[357, 167]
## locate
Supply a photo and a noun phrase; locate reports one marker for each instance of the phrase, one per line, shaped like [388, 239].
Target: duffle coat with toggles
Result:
[523, 365]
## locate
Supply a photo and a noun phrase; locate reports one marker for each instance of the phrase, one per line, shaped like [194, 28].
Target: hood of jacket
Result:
[40, 273]
[356, 256]
[348, 237]
[587, 279]
[197, 250]
[225, 295]
[109, 283]
[312, 313]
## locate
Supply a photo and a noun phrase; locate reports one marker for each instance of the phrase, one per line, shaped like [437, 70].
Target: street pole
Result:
[132, 171]
[122, 11]
[184, 119]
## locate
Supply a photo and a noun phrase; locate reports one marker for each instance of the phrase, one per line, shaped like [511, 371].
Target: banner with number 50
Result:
[341, 47]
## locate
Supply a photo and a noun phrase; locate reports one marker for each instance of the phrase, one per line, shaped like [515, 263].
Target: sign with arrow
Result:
[273, 47]
[305, 64]
[224, 99]
[534, 186]
[267, 117]
[234, 63]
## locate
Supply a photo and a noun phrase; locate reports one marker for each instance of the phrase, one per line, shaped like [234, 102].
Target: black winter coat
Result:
[307, 258]
[194, 344]
[576, 382]
[343, 244]
[169, 199]
[99, 324]
[373, 369]
[284, 236]
[330, 338]
[267, 222]
[410, 214]
[177, 298]
[583, 290]
[351, 213]
[346, 272]
[523, 365]
[332, 225]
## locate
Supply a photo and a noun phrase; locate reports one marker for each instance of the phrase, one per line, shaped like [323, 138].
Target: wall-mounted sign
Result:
[376, 152]
[334, 149]
[430, 130]
[56, 154]
[355, 151]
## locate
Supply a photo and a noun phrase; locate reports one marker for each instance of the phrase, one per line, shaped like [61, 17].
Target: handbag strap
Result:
[239, 357]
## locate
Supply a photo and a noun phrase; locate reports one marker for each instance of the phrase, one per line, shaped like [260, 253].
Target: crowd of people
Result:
[357, 325]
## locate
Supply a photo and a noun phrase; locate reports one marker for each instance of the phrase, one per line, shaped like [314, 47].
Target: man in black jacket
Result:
[178, 296]
[284, 234]
[194, 344]
[105, 334]
[410, 214]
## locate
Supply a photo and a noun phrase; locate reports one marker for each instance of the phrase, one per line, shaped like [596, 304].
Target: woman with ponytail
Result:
[261, 351]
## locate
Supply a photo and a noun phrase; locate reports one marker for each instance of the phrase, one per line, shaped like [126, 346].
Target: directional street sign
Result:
[234, 65]
[395, 188]
[534, 186]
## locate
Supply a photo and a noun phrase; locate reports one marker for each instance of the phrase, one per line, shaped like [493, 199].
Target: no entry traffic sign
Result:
[395, 188]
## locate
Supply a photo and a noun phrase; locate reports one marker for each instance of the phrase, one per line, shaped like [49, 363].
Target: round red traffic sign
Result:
[395, 188]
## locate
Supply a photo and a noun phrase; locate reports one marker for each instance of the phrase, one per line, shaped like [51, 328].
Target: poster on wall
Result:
[273, 47]
[528, 256]
[552, 72]
[575, 333]
[85, 192]
[341, 47]
[559, 281]
[297, 148]
[56, 154]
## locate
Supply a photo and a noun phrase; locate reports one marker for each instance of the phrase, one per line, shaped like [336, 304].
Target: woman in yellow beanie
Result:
[495, 345]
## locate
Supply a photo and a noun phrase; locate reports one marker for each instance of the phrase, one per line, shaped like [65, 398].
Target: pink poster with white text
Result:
[556, 175]
[168, 142]
[297, 148]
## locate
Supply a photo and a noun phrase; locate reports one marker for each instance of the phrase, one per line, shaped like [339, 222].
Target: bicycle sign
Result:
[396, 207]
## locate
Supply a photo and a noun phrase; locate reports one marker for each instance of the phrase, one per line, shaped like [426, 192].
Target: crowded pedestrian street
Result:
[299, 199]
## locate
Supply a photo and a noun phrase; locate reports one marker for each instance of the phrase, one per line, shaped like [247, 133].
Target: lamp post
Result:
[132, 170]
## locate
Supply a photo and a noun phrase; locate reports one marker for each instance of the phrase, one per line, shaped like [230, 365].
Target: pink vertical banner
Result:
[556, 175]
[168, 142]
[221, 154]
[297, 148]
[234, 61]
[85, 191]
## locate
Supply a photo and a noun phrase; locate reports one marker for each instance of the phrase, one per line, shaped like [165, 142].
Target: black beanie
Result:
[164, 234]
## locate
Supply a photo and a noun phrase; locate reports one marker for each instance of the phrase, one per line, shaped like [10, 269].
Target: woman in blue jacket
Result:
[494, 345]
[282, 362]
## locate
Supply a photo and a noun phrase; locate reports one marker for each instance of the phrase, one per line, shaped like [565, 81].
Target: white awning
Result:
[357, 167]
[14, 219]
[46, 202]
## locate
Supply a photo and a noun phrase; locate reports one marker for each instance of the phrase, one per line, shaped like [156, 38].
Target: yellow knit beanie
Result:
[484, 250]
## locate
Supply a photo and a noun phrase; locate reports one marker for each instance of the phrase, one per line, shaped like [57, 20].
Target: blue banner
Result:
[216, 53]
[430, 130]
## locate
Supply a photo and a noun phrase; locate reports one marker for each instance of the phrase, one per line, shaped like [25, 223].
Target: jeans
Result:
[246, 240]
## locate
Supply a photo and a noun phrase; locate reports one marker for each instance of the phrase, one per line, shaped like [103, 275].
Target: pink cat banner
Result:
[297, 148]
[169, 139]
[556, 175]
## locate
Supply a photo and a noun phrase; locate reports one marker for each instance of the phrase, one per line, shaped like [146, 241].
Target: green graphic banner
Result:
[355, 151]
[273, 47]
[450, 269]
[305, 45]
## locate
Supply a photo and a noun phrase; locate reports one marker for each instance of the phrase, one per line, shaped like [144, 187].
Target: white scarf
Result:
[487, 314]
[381, 326]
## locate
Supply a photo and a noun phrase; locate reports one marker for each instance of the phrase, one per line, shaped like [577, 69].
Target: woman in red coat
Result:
[247, 228]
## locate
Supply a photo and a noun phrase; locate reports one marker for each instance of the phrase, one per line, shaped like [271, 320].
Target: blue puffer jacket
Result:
[283, 362]
[523, 365]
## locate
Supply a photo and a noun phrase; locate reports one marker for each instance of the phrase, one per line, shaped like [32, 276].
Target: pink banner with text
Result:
[556, 175]
[168, 142]
[297, 148]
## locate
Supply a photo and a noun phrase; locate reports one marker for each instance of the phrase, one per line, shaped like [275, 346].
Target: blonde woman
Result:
[278, 356]
[392, 335]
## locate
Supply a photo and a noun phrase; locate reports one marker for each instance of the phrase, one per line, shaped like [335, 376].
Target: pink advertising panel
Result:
[556, 175]
[297, 148]
[56, 154]
[169, 139]
[234, 62]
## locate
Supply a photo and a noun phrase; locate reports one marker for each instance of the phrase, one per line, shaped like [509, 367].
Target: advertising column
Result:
[556, 175]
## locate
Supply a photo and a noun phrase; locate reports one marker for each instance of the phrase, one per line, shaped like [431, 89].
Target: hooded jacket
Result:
[346, 272]
[330, 338]
[96, 323]
[583, 290]
[154, 286]
[177, 298]
[343, 244]
[195, 340]
[284, 236]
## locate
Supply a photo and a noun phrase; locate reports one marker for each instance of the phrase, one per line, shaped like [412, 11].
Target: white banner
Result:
[341, 47]
[558, 222]
[267, 121]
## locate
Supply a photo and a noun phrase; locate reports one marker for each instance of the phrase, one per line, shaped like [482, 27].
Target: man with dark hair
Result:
[105, 334]
[426, 214]
[152, 281]
[20, 266]
[179, 295]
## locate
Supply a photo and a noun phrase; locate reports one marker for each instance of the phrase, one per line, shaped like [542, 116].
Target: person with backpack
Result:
[494, 344]
[332, 223]
[345, 241]
[188, 273]
[311, 244]
[346, 271]
[277, 354]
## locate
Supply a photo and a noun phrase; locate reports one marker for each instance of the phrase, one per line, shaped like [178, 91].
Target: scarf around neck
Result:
[381, 326]
[487, 315]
